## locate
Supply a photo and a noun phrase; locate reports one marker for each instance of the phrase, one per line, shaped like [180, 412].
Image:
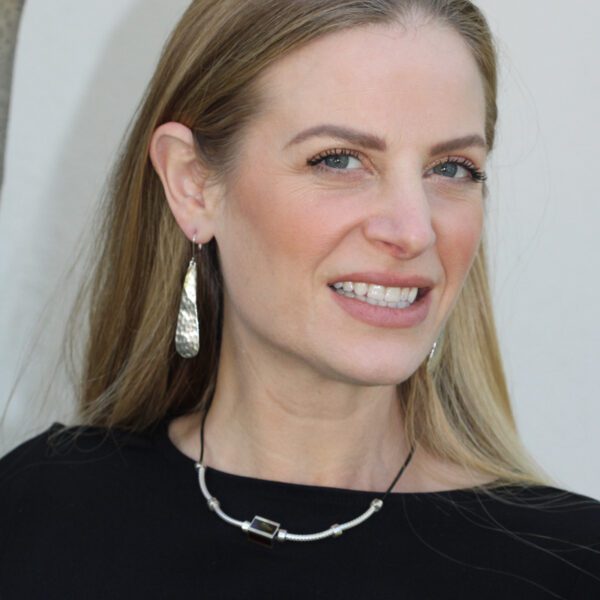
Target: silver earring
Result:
[431, 354]
[187, 334]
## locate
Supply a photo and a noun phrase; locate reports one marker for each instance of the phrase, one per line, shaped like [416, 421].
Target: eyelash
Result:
[477, 175]
[319, 158]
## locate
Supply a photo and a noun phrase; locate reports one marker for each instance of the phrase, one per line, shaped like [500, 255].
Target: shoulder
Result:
[558, 525]
[540, 511]
[60, 440]
[61, 452]
[68, 470]
[546, 537]
[49, 445]
[560, 510]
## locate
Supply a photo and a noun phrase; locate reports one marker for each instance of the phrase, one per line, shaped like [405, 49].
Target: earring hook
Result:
[194, 244]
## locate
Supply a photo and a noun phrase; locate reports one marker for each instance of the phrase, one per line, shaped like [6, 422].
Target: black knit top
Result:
[110, 514]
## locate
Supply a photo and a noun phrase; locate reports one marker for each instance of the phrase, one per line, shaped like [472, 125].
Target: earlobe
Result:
[176, 163]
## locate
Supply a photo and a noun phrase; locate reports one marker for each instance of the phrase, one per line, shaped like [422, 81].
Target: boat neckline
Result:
[164, 442]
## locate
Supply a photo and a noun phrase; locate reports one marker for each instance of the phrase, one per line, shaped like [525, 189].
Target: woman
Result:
[333, 376]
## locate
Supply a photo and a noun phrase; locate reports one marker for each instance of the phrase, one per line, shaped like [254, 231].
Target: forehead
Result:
[418, 81]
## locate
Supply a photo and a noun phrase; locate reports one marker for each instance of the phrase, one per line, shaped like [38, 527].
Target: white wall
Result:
[80, 70]
[545, 215]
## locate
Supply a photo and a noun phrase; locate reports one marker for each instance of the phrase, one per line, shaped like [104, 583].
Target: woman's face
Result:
[379, 201]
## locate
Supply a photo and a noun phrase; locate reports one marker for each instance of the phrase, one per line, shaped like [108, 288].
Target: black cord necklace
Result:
[263, 530]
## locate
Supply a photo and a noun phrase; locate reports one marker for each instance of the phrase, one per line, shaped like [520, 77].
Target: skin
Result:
[306, 393]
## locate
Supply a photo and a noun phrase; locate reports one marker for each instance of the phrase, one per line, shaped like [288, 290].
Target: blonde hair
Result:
[206, 79]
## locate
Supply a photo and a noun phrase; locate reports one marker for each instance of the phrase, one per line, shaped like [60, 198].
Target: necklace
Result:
[263, 530]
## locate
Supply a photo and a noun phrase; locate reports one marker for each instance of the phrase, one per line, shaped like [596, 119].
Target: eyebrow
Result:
[468, 141]
[366, 140]
[373, 142]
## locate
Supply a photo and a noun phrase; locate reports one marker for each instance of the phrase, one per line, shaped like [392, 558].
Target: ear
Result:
[192, 198]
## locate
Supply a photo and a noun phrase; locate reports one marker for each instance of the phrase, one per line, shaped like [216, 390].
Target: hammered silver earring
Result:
[187, 334]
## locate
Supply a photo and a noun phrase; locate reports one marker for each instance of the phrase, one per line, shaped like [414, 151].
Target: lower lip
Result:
[382, 316]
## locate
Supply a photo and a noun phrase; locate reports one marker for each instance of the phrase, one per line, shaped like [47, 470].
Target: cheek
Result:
[458, 228]
[274, 237]
[280, 226]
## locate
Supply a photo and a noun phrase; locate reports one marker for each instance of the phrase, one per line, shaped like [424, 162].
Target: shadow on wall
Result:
[45, 256]
[10, 15]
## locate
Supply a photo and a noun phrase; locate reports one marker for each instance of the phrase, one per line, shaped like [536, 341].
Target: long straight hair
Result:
[206, 78]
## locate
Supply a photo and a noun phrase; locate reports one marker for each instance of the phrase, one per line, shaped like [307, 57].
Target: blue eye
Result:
[450, 167]
[336, 160]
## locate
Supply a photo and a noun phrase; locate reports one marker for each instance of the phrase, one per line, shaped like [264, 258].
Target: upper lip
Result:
[386, 279]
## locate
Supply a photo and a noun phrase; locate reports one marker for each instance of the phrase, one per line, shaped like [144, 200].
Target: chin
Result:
[381, 373]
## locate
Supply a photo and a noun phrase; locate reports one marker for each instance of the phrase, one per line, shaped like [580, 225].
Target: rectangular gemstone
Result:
[263, 530]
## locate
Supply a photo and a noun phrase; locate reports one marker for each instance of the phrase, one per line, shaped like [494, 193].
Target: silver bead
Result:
[213, 503]
[337, 530]
[377, 504]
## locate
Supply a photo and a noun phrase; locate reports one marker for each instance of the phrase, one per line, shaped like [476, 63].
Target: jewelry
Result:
[434, 350]
[264, 531]
[187, 333]
[431, 354]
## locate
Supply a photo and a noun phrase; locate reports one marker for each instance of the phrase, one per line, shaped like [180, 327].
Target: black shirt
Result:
[119, 515]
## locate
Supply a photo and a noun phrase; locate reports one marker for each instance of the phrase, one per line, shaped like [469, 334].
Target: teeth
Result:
[393, 294]
[361, 289]
[376, 294]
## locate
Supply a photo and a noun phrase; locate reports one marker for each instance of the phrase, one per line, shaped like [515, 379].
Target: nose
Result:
[402, 223]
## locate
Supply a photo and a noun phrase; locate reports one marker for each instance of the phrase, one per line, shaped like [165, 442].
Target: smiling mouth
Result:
[378, 295]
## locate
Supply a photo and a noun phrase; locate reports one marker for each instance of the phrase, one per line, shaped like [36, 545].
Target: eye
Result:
[450, 169]
[338, 159]
[459, 169]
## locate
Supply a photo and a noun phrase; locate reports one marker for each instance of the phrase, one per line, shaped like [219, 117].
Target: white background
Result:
[80, 70]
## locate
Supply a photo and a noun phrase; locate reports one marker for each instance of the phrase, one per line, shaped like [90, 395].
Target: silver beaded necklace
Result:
[263, 530]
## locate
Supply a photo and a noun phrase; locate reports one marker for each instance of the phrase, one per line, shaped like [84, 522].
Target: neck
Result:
[305, 429]
[297, 426]
[352, 443]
